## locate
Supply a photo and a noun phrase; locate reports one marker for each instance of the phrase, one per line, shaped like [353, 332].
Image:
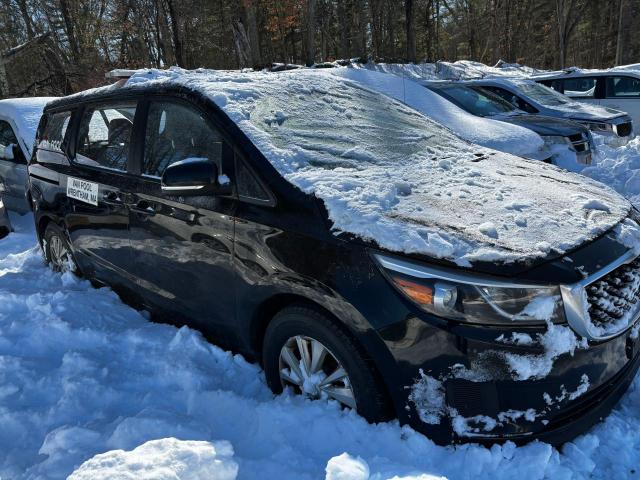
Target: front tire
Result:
[57, 251]
[306, 351]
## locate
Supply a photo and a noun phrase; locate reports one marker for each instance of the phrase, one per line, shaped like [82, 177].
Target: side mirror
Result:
[191, 177]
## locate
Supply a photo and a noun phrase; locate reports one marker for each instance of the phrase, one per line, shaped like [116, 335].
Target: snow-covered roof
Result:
[25, 114]
[387, 173]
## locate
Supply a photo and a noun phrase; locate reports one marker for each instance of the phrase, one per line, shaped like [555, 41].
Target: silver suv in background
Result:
[537, 98]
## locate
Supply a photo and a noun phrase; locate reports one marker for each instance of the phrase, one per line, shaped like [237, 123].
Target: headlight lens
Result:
[474, 300]
[599, 127]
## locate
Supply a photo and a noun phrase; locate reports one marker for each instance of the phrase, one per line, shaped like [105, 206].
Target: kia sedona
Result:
[362, 253]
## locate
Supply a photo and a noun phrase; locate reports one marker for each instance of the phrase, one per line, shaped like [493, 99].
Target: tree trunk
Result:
[311, 32]
[22, 4]
[344, 30]
[70, 30]
[411, 30]
[252, 27]
[620, 35]
[241, 42]
[175, 32]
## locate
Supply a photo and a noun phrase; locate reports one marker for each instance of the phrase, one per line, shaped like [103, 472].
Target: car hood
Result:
[543, 125]
[585, 111]
[506, 210]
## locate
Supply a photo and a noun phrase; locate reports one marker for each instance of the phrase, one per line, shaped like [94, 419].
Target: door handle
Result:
[112, 198]
[144, 208]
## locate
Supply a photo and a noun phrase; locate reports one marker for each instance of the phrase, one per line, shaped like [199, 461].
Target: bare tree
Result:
[568, 13]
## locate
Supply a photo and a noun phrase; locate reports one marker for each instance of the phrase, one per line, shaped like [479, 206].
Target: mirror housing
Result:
[192, 177]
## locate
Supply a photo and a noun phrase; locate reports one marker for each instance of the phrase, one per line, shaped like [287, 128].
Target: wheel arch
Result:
[270, 307]
[268, 310]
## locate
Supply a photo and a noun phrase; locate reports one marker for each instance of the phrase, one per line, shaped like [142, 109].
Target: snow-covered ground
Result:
[619, 168]
[90, 385]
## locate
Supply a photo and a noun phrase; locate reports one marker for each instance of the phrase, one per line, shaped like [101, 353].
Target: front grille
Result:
[580, 147]
[614, 298]
[624, 129]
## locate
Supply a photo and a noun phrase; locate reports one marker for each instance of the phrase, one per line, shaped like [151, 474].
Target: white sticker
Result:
[82, 190]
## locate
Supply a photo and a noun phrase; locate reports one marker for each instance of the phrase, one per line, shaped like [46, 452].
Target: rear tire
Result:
[296, 326]
[57, 252]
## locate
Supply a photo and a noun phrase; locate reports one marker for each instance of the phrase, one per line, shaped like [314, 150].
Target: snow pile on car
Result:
[482, 131]
[459, 70]
[389, 175]
[84, 375]
[26, 113]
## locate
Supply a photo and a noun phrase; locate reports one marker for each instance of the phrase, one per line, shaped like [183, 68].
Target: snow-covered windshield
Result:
[543, 94]
[371, 130]
[475, 100]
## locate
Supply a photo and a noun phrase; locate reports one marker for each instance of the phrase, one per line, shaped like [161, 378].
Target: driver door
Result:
[183, 246]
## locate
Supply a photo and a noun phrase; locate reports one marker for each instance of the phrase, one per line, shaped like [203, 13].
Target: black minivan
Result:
[361, 252]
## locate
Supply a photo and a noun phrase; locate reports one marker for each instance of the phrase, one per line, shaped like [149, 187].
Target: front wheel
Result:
[306, 351]
[57, 251]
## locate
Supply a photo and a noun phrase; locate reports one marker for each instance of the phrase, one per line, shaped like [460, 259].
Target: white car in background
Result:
[486, 132]
[19, 118]
[537, 98]
[617, 88]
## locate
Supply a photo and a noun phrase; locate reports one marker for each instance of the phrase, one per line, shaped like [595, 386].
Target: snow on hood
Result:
[482, 131]
[388, 174]
[25, 113]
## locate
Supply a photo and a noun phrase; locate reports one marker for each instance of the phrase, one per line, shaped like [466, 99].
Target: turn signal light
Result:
[421, 294]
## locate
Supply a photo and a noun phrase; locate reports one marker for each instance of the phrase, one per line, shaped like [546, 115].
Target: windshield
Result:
[543, 94]
[349, 126]
[475, 100]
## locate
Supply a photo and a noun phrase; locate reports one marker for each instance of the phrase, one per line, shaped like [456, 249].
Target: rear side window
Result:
[54, 132]
[514, 100]
[623, 87]
[177, 132]
[580, 87]
[7, 136]
[104, 136]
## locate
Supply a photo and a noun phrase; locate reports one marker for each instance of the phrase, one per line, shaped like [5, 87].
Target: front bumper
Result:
[484, 402]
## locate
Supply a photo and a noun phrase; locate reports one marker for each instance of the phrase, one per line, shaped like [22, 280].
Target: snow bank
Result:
[489, 133]
[165, 459]
[26, 113]
[82, 374]
[323, 134]
[618, 167]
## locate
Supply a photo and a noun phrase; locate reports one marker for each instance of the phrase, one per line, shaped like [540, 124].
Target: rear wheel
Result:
[57, 251]
[306, 351]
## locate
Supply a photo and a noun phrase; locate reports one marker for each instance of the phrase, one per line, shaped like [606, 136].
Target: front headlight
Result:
[473, 299]
[598, 127]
